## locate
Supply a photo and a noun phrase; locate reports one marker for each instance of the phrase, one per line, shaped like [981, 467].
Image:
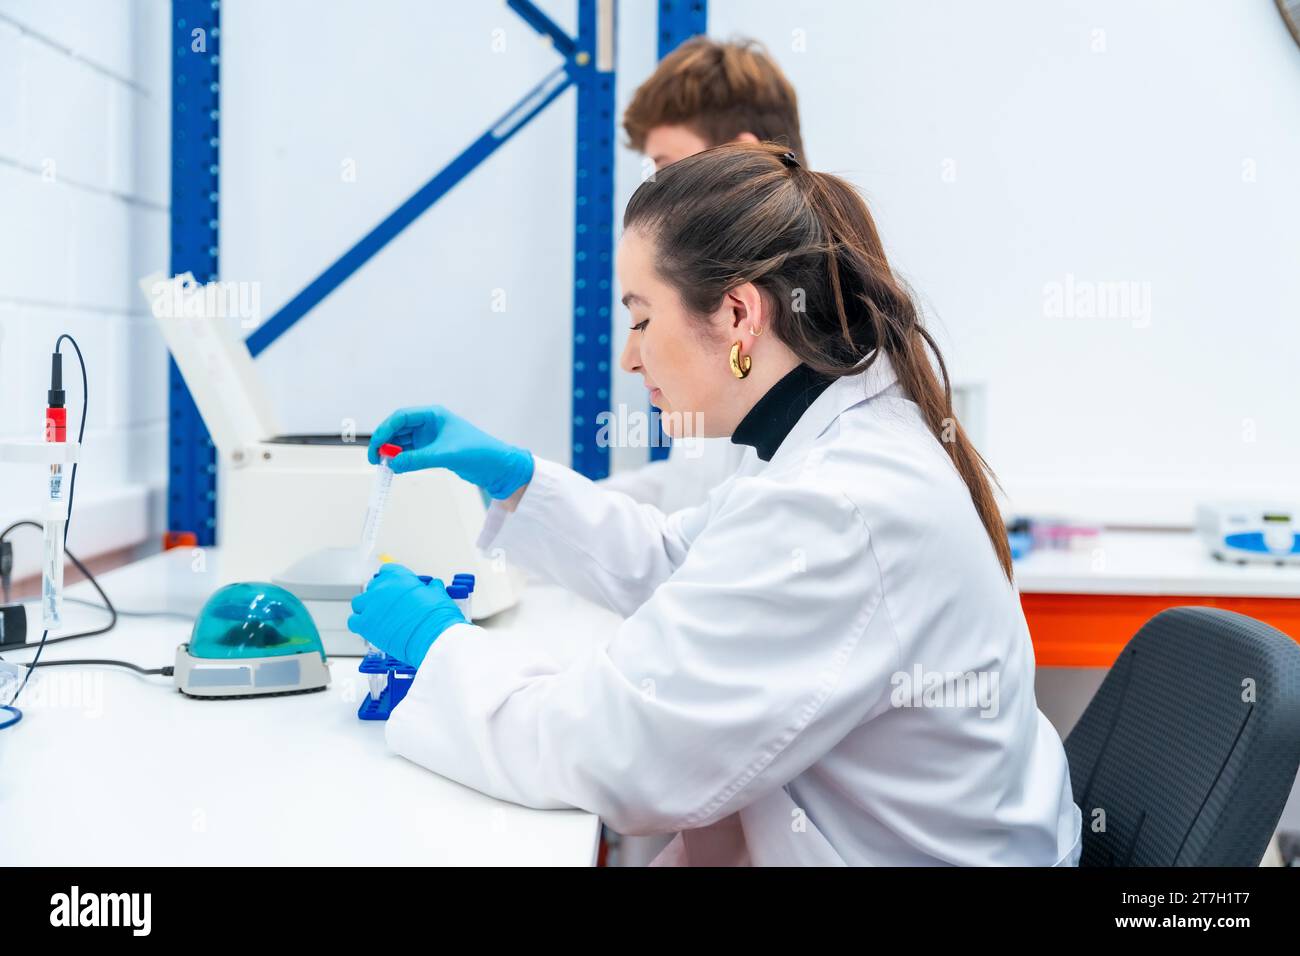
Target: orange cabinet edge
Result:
[1089, 630]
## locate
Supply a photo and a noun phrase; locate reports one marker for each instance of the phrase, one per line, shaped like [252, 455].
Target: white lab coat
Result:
[693, 468]
[751, 701]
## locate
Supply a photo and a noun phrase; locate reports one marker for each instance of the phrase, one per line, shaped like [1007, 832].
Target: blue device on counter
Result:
[1250, 532]
[251, 639]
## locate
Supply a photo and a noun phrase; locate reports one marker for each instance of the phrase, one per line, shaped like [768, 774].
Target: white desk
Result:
[1151, 562]
[111, 768]
[1084, 605]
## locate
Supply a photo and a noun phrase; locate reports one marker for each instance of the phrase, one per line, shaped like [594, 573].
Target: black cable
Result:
[107, 605]
[121, 612]
[81, 431]
[72, 490]
[152, 671]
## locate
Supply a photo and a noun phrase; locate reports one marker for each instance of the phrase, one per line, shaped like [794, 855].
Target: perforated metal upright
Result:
[679, 20]
[593, 72]
[192, 486]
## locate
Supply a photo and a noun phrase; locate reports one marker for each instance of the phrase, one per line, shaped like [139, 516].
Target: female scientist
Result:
[825, 663]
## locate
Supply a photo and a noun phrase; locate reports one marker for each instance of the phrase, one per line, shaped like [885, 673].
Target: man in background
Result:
[701, 95]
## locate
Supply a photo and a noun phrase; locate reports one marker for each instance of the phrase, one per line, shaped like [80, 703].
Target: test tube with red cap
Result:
[56, 515]
[379, 491]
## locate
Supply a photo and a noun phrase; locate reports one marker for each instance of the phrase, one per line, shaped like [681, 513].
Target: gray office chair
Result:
[1187, 753]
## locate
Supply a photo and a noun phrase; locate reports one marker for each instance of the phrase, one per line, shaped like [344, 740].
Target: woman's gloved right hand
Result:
[433, 437]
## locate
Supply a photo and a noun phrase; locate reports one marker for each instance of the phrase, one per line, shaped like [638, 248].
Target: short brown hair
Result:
[718, 90]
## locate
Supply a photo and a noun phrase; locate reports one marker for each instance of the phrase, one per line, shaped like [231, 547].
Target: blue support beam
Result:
[544, 25]
[517, 117]
[536, 100]
[679, 20]
[593, 240]
[196, 44]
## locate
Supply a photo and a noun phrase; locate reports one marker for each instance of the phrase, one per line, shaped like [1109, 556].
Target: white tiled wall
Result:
[84, 138]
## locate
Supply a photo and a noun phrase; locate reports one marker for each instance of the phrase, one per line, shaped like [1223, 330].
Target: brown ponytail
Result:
[738, 214]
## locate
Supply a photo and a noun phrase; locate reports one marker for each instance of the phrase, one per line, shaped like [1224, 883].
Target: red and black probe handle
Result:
[56, 414]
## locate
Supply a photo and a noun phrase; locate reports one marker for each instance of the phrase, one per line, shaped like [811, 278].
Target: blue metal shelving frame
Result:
[679, 20]
[588, 65]
[593, 248]
[196, 47]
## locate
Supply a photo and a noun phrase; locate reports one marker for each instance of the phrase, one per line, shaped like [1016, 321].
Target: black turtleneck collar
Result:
[772, 417]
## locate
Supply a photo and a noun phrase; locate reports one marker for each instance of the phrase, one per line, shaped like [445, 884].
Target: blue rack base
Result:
[397, 681]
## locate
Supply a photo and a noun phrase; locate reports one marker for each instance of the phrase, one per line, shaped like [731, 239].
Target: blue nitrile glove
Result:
[436, 438]
[403, 615]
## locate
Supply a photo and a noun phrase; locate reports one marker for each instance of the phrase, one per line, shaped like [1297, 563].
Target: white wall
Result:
[1000, 153]
[398, 88]
[1155, 141]
[84, 99]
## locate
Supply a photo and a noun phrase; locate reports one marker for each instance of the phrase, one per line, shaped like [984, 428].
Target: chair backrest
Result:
[1188, 751]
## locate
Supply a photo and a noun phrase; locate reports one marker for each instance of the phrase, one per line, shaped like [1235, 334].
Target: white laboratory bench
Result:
[1083, 605]
[108, 768]
[1151, 562]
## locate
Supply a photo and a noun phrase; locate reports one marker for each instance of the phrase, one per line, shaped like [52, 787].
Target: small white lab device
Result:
[56, 456]
[251, 640]
[1250, 532]
[289, 505]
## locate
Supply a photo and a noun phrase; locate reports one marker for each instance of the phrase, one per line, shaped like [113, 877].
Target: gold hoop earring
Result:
[756, 332]
[740, 365]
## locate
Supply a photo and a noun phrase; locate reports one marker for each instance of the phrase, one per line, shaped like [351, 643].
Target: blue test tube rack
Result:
[396, 676]
[397, 679]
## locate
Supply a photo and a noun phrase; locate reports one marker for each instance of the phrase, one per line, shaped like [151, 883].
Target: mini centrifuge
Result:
[251, 640]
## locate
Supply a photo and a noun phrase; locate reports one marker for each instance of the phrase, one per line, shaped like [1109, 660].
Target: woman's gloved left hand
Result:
[401, 614]
[434, 437]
